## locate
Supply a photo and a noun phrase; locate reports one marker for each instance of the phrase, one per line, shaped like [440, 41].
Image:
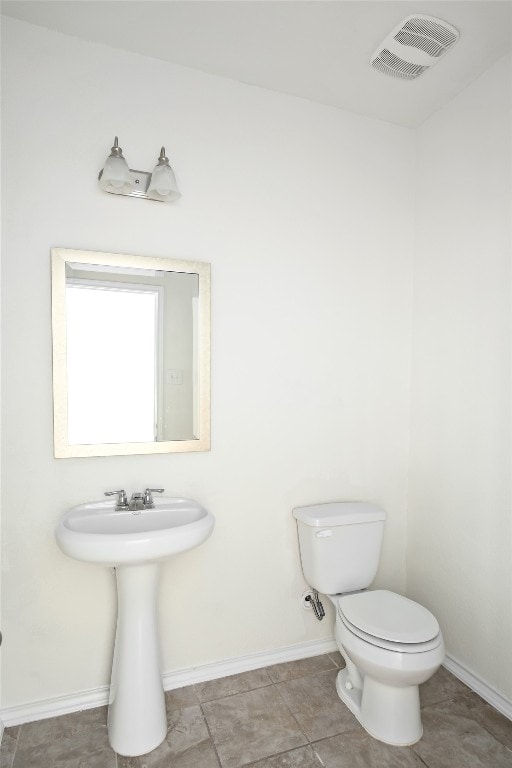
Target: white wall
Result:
[305, 214]
[459, 524]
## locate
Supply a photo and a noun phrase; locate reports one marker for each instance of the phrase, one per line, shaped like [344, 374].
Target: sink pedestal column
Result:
[137, 721]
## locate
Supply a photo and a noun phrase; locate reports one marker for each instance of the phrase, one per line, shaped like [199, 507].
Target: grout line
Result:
[418, 756]
[275, 685]
[209, 732]
[290, 710]
[227, 695]
[494, 735]
[16, 745]
[470, 694]
[278, 754]
[446, 700]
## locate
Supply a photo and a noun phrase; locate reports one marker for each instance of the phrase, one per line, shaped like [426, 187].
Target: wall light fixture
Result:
[116, 177]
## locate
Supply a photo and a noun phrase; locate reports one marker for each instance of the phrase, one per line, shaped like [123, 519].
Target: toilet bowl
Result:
[391, 645]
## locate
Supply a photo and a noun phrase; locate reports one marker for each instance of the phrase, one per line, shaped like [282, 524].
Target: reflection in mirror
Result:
[131, 354]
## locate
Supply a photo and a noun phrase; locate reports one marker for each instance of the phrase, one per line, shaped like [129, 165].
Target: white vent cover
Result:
[416, 44]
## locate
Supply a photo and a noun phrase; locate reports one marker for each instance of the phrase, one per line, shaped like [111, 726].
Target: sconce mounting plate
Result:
[141, 181]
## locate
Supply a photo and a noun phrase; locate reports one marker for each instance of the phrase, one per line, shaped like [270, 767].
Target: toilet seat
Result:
[389, 646]
[389, 621]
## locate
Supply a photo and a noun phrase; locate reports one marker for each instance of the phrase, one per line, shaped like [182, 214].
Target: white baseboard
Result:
[485, 691]
[245, 663]
[97, 697]
[60, 705]
[2, 727]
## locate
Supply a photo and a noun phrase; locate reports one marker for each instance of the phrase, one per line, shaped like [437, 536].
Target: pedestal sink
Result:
[136, 544]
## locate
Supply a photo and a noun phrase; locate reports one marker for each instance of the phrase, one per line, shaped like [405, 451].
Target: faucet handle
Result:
[148, 498]
[122, 500]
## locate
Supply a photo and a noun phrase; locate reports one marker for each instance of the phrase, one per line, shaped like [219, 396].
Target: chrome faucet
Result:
[122, 500]
[138, 501]
[148, 498]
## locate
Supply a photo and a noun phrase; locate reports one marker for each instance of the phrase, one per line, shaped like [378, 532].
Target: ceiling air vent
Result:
[415, 45]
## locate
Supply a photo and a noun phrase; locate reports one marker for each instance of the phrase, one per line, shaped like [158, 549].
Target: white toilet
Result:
[390, 644]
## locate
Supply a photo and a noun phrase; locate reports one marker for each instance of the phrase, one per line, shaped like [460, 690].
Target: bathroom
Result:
[361, 340]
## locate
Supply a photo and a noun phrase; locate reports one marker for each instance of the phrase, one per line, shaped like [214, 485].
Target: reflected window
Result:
[113, 361]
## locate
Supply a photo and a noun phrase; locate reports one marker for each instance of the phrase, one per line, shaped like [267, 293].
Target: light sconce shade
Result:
[118, 178]
[115, 176]
[163, 182]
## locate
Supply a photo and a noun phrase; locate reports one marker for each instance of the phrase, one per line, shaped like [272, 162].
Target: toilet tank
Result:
[340, 544]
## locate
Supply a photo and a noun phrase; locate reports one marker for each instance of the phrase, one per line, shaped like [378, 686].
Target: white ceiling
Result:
[309, 48]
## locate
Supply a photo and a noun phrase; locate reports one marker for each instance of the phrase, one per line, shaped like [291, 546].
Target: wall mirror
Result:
[131, 354]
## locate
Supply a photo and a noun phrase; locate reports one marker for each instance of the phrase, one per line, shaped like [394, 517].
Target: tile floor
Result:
[284, 716]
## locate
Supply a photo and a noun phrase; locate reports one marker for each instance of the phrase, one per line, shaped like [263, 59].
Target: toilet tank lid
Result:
[339, 513]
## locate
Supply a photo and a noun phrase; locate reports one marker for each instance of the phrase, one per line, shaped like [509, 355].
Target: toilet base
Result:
[389, 714]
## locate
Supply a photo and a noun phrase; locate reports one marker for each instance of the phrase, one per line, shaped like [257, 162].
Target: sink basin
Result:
[96, 533]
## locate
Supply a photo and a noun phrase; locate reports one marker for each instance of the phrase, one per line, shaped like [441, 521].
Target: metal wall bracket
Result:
[141, 180]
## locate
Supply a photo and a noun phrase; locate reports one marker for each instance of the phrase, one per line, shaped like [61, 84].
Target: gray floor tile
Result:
[317, 706]
[9, 742]
[179, 698]
[250, 726]
[358, 750]
[303, 757]
[186, 728]
[187, 744]
[441, 687]
[292, 669]
[199, 756]
[473, 707]
[90, 723]
[78, 740]
[66, 752]
[228, 686]
[453, 738]
[246, 720]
